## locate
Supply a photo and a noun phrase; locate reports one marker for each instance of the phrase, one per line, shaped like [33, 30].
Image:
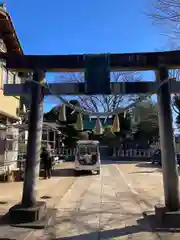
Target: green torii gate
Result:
[97, 74]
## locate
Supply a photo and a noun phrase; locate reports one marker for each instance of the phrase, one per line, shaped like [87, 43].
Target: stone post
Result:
[34, 141]
[169, 165]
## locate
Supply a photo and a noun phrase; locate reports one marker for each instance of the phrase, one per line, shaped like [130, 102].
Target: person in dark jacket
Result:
[46, 160]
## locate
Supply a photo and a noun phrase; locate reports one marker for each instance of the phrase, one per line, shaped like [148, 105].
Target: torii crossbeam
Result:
[75, 63]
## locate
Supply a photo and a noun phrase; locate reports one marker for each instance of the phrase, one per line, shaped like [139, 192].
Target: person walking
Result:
[46, 160]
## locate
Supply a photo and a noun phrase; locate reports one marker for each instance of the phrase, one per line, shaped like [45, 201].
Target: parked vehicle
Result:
[87, 156]
[156, 158]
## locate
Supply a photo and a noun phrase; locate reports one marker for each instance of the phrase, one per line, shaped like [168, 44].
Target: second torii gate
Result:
[97, 81]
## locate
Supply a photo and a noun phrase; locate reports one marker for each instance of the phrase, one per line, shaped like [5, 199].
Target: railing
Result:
[133, 153]
[65, 153]
[10, 77]
[116, 152]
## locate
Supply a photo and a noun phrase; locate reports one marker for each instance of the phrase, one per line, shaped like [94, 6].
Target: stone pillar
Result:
[35, 123]
[169, 165]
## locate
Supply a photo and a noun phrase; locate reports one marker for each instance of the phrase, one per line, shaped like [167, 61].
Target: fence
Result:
[114, 153]
[133, 153]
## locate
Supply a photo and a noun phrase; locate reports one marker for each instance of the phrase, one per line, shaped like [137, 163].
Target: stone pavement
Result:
[108, 206]
[98, 207]
[145, 181]
[50, 190]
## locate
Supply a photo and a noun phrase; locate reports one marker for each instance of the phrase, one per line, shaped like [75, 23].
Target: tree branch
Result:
[106, 103]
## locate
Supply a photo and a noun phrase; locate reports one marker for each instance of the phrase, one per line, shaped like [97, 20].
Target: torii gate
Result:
[97, 81]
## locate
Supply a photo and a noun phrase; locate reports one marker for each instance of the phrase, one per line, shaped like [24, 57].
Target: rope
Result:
[91, 113]
[97, 114]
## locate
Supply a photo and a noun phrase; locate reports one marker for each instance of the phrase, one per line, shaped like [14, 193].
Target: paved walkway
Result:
[93, 207]
[145, 180]
[50, 190]
[99, 207]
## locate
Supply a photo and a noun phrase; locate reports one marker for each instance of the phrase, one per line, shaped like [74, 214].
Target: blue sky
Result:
[82, 26]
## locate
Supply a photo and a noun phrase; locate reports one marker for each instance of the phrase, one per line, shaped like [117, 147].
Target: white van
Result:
[87, 156]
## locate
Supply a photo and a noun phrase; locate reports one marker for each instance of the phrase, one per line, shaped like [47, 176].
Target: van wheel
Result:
[98, 172]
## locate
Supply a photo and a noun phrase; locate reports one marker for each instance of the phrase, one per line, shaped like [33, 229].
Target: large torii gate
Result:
[97, 81]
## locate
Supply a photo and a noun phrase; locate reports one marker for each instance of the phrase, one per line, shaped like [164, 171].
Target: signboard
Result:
[97, 74]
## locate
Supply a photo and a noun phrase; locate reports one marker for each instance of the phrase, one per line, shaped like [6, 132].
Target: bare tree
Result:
[167, 10]
[167, 13]
[103, 103]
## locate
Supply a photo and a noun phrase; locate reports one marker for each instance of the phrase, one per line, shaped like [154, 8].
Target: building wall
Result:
[8, 104]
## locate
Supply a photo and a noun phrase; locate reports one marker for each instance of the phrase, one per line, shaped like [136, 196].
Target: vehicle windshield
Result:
[87, 149]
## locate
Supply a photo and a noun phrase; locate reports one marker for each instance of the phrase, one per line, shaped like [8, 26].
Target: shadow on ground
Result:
[155, 167]
[171, 225]
[107, 234]
[7, 238]
[112, 161]
[149, 165]
[63, 172]
[147, 224]
[68, 172]
[4, 219]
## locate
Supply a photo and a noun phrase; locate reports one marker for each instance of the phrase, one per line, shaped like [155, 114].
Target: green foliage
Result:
[108, 137]
[148, 126]
[108, 134]
[125, 122]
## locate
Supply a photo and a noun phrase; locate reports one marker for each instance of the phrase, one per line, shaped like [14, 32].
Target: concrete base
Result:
[21, 214]
[46, 221]
[166, 218]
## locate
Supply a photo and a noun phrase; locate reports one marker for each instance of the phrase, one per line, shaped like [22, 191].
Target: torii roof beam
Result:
[76, 63]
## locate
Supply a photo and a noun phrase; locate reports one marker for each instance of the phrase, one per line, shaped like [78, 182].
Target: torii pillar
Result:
[30, 210]
[169, 164]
